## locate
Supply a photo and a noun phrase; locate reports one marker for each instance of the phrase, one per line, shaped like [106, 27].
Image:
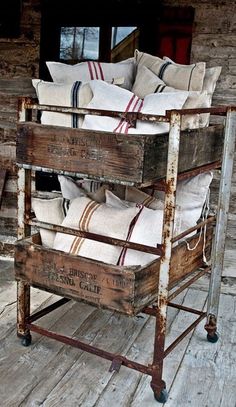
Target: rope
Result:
[205, 213]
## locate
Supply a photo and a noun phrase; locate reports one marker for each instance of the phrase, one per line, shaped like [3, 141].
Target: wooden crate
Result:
[124, 289]
[121, 158]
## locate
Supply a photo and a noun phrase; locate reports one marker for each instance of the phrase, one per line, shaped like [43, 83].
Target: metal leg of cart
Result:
[23, 289]
[23, 312]
[221, 225]
[157, 384]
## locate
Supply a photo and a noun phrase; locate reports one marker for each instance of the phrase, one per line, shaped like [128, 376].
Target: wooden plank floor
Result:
[48, 373]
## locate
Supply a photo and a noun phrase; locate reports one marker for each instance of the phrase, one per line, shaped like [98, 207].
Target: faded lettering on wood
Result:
[124, 289]
[75, 277]
[91, 153]
[140, 159]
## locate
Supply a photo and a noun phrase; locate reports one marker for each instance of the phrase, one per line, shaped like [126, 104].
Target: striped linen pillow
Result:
[88, 215]
[110, 97]
[210, 79]
[209, 84]
[147, 82]
[77, 94]
[95, 190]
[147, 230]
[72, 188]
[120, 73]
[133, 194]
[184, 77]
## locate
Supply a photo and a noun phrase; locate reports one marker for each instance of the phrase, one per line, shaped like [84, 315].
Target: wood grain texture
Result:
[119, 157]
[208, 368]
[124, 289]
[48, 373]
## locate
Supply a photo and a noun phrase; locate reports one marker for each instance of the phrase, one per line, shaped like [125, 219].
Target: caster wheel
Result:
[212, 339]
[162, 397]
[26, 340]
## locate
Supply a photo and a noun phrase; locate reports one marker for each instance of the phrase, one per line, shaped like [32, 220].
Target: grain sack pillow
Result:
[77, 94]
[158, 104]
[133, 194]
[88, 215]
[110, 97]
[72, 189]
[136, 197]
[184, 77]
[209, 83]
[50, 211]
[142, 232]
[191, 194]
[146, 230]
[121, 73]
[69, 187]
[95, 190]
[147, 82]
[210, 78]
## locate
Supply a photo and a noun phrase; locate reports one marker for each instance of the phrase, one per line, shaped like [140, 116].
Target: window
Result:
[79, 43]
[119, 34]
[83, 43]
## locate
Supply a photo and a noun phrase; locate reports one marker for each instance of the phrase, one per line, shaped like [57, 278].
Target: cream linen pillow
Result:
[50, 211]
[184, 77]
[146, 230]
[133, 194]
[110, 97]
[191, 194]
[77, 94]
[147, 82]
[72, 189]
[88, 215]
[134, 198]
[210, 79]
[209, 83]
[89, 70]
[95, 190]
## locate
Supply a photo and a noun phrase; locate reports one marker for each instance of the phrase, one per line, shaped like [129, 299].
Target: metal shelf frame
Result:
[25, 321]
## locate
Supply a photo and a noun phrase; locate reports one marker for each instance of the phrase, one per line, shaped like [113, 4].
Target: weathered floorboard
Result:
[50, 374]
[33, 360]
[209, 369]
[143, 394]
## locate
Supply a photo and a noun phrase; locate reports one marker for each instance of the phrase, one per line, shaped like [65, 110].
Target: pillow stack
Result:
[129, 214]
[111, 97]
[155, 75]
[137, 218]
[142, 80]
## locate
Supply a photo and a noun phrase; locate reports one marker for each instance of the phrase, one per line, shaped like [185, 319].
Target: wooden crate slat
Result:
[124, 289]
[138, 159]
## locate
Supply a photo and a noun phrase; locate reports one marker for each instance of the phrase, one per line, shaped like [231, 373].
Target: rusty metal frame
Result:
[221, 223]
[159, 309]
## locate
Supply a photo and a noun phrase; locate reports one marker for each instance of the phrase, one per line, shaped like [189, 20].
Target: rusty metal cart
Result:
[135, 289]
